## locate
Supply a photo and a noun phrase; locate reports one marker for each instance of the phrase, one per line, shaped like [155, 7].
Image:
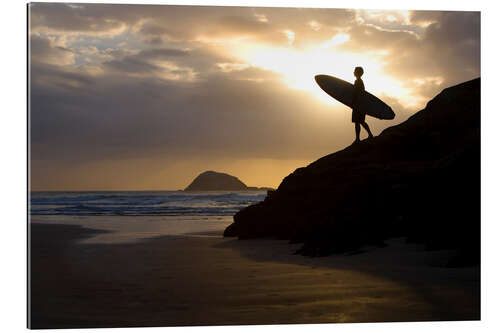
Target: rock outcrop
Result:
[419, 179]
[216, 181]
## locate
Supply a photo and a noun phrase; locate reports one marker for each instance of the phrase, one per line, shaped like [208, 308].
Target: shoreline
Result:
[186, 281]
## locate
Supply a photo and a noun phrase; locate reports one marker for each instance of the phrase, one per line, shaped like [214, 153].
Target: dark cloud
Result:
[161, 53]
[131, 65]
[139, 63]
[79, 18]
[241, 25]
[453, 27]
[42, 50]
[448, 48]
[159, 23]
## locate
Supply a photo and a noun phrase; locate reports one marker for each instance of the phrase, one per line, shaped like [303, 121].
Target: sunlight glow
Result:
[336, 40]
[384, 16]
[299, 67]
[261, 18]
[315, 25]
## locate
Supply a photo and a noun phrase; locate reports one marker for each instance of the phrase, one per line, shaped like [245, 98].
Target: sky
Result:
[146, 97]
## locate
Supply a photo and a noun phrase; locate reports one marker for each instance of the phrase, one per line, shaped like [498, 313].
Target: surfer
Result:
[358, 115]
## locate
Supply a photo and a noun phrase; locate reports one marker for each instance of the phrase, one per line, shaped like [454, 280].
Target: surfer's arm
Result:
[358, 88]
[355, 95]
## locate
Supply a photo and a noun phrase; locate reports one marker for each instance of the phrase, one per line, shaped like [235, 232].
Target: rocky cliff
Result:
[419, 179]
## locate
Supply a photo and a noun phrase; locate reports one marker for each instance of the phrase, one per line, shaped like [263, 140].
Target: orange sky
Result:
[136, 97]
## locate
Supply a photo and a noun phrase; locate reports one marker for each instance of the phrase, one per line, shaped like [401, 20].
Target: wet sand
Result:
[172, 281]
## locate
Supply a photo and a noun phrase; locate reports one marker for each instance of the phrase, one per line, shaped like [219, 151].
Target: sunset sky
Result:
[142, 97]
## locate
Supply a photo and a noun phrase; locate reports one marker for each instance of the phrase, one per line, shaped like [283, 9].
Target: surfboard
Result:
[342, 91]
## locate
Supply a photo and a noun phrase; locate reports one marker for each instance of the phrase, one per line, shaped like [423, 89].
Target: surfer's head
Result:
[358, 71]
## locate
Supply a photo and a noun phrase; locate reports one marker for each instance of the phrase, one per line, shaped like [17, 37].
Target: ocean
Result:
[130, 216]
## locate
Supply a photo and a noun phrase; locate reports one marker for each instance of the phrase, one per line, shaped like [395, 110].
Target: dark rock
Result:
[419, 179]
[216, 181]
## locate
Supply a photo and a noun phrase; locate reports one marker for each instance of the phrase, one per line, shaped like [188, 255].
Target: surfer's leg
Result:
[365, 126]
[357, 129]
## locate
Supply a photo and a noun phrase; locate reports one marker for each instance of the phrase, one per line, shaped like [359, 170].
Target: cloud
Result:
[155, 62]
[43, 50]
[230, 67]
[243, 114]
[180, 23]
[93, 19]
[447, 47]
[117, 84]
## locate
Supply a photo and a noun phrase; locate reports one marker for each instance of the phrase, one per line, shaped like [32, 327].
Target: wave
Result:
[168, 203]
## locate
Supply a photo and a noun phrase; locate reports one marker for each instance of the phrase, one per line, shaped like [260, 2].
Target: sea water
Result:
[130, 216]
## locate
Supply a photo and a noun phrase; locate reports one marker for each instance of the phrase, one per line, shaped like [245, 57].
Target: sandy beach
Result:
[182, 280]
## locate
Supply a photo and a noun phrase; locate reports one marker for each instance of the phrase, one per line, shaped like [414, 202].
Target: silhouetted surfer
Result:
[358, 115]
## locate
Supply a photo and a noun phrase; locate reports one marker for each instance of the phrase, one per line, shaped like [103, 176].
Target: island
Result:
[218, 181]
